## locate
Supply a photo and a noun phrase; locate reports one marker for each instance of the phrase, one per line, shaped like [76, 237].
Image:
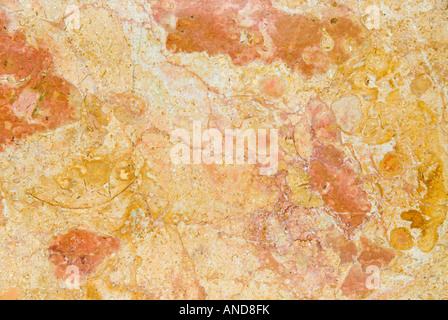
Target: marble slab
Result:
[223, 149]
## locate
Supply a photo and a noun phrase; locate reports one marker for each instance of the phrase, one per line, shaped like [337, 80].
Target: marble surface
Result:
[105, 192]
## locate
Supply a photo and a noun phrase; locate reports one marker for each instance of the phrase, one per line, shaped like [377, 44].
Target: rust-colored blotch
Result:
[273, 87]
[253, 31]
[355, 282]
[81, 248]
[391, 165]
[346, 250]
[33, 98]
[373, 254]
[331, 176]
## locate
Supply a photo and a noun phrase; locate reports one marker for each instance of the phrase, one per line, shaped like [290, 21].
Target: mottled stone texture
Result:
[84, 249]
[92, 206]
[32, 97]
[255, 30]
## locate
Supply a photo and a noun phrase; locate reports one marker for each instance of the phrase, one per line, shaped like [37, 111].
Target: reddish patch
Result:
[32, 97]
[273, 87]
[345, 249]
[351, 221]
[357, 278]
[322, 123]
[83, 249]
[339, 188]
[255, 30]
[332, 175]
[372, 254]
[300, 223]
[330, 156]
[355, 282]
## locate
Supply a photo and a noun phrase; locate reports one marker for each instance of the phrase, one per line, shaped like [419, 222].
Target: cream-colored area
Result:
[193, 231]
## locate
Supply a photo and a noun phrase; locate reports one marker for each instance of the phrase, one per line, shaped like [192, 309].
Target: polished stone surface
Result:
[94, 206]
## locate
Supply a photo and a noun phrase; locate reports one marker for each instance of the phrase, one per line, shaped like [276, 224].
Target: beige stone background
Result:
[363, 149]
